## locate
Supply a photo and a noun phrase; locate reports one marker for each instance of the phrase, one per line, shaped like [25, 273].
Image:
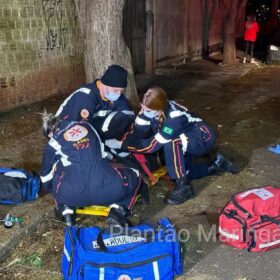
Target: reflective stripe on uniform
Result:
[141, 121]
[185, 141]
[120, 154]
[107, 121]
[102, 146]
[177, 113]
[47, 177]
[102, 113]
[136, 171]
[126, 112]
[173, 103]
[64, 158]
[161, 139]
[84, 90]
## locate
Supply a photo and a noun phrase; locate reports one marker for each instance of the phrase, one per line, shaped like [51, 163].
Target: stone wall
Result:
[41, 51]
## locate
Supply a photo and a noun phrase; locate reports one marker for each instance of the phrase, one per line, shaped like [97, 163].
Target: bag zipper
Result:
[266, 222]
[72, 251]
[239, 206]
[125, 266]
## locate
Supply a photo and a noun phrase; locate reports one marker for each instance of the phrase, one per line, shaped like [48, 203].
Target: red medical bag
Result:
[251, 220]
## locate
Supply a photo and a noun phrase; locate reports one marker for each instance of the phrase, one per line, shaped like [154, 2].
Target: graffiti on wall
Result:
[7, 82]
[53, 13]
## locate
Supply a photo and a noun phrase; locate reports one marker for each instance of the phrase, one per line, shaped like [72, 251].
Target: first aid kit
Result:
[147, 251]
[18, 185]
[251, 219]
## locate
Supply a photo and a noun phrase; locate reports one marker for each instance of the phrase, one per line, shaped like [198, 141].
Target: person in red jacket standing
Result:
[250, 36]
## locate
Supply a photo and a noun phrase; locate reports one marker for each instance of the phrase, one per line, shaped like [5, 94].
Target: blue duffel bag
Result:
[18, 185]
[147, 251]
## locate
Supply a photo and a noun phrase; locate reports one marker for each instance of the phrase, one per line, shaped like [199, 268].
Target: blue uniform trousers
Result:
[119, 185]
[200, 140]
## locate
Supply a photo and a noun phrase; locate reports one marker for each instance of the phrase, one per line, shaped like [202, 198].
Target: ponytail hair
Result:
[49, 123]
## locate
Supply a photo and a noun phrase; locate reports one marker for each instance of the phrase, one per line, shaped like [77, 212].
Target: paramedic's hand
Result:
[113, 143]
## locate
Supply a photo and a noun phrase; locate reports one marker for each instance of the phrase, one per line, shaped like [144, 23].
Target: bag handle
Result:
[100, 241]
[265, 218]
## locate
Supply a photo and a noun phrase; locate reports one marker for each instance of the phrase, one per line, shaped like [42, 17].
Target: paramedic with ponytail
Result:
[76, 170]
[181, 135]
[101, 103]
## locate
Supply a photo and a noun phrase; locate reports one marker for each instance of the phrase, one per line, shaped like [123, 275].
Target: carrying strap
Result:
[142, 160]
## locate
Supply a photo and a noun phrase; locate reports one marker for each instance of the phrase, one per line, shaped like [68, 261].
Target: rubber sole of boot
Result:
[171, 202]
[231, 168]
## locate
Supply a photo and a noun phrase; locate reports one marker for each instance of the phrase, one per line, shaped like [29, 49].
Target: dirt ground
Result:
[245, 114]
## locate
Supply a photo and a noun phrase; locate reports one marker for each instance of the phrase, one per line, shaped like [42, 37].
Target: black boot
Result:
[68, 214]
[117, 216]
[182, 191]
[220, 164]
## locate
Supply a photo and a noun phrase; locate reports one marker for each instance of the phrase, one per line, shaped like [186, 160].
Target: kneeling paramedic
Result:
[182, 137]
[100, 102]
[76, 170]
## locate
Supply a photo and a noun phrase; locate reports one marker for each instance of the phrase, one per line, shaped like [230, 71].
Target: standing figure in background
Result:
[250, 37]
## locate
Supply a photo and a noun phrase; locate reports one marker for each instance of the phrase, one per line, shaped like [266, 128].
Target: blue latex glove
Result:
[275, 149]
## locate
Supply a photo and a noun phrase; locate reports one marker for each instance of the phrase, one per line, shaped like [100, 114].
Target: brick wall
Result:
[41, 51]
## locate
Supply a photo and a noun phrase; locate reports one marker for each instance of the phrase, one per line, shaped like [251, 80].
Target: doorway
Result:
[134, 30]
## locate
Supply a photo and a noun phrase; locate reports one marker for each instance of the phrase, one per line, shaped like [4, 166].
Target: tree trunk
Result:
[229, 50]
[232, 14]
[207, 15]
[101, 25]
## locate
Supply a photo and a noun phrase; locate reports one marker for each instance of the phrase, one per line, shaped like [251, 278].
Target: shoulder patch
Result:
[75, 133]
[167, 130]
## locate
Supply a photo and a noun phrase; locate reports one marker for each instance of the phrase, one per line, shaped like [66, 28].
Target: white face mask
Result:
[150, 114]
[112, 96]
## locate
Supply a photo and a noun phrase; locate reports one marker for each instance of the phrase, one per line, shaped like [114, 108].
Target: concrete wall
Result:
[169, 26]
[41, 51]
[178, 28]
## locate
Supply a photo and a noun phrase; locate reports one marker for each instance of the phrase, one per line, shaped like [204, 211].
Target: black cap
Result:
[115, 76]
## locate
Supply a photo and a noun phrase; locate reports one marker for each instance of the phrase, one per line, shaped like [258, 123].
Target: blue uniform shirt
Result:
[101, 111]
[75, 147]
[76, 170]
[178, 120]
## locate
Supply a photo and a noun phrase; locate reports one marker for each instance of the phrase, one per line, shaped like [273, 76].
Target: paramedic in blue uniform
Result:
[100, 102]
[76, 170]
[182, 137]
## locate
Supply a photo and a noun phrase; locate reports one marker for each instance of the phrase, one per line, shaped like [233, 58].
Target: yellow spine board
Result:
[96, 210]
